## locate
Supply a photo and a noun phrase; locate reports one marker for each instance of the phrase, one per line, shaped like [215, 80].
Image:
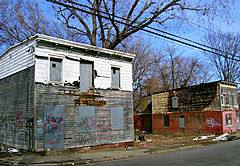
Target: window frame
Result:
[228, 117]
[182, 120]
[113, 71]
[56, 59]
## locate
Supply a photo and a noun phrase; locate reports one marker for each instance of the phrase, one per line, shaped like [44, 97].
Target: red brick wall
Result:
[194, 122]
[202, 122]
[214, 122]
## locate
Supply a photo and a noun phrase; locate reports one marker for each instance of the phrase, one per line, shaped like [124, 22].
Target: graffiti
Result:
[87, 124]
[20, 120]
[53, 124]
[210, 122]
[85, 139]
[53, 127]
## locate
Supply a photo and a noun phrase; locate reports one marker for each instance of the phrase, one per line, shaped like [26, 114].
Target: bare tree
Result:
[146, 57]
[21, 19]
[177, 71]
[228, 44]
[101, 23]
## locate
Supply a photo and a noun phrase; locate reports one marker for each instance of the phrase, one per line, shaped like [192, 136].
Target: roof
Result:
[219, 81]
[40, 37]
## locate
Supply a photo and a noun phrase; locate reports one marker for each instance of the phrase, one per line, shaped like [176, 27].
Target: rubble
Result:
[203, 137]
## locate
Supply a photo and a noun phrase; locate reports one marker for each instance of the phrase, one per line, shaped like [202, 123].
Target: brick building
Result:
[58, 94]
[205, 108]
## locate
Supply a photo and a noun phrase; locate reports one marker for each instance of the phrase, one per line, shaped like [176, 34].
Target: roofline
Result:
[18, 44]
[218, 81]
[71, 43]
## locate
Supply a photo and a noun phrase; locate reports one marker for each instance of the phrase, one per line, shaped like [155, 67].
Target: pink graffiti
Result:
[210, 122]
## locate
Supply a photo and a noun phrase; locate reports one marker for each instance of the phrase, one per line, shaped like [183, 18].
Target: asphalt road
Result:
[221, 154]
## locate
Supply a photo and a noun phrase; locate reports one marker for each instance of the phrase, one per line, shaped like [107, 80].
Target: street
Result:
[225, 154]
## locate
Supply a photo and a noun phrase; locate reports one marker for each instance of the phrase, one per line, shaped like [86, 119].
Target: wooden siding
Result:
[71, 71]
[16, 60]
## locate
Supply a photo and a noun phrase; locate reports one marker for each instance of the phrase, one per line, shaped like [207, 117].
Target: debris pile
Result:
[223, 137]
[203, 137]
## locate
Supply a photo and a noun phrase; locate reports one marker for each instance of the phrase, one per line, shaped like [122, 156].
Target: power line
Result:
[155, 33]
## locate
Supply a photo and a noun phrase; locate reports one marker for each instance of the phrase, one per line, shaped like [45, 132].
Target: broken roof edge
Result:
[218, 81]
[72, 44]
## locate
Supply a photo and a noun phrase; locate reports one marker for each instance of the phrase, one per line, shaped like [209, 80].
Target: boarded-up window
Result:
[55, 69]
[115, 74]
[86, 75]
[182, 121]
[117, 118]
[174, 102]
[166, 121]
[53, 127]
[228, 119]
[86, 122]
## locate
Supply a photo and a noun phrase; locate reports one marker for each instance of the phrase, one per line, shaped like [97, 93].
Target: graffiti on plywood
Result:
[53, 127]
[86, 119]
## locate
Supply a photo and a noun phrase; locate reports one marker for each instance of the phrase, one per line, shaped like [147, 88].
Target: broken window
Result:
[182, 121]
[115, 77]
[166, 121]
[228, 119]
[55, 69]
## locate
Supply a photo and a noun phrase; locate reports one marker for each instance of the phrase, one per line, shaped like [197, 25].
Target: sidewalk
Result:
[154, 144]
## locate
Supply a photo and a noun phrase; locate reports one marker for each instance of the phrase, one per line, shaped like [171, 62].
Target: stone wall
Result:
[67, 118]
[16, 109]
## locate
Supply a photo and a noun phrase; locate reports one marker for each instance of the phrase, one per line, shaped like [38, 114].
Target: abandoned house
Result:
[204, 108]
[58, 94]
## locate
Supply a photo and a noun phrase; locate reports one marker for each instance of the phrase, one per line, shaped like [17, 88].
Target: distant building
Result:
[58, 94]
[143, 116]
[205, 108]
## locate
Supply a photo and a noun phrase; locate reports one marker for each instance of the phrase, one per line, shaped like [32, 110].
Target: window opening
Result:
[182, 121]
[228, 119]
[166, 121]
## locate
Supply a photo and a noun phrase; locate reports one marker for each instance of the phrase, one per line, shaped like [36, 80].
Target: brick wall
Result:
[194, 122]
[16, 109]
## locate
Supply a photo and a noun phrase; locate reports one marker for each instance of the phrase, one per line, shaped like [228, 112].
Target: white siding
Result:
[41, 69]
[71, 68]
[16, 60]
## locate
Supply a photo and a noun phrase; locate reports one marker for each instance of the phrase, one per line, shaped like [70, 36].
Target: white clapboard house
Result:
[57, 94]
